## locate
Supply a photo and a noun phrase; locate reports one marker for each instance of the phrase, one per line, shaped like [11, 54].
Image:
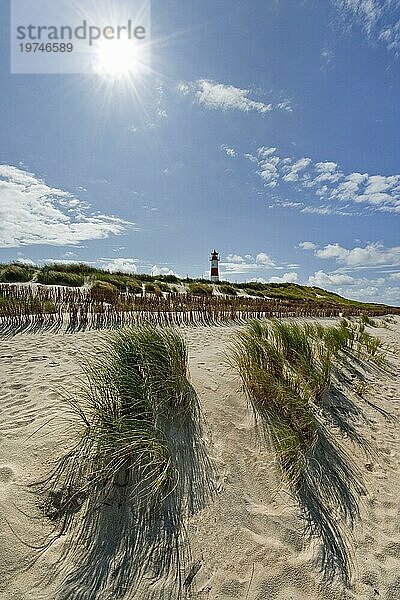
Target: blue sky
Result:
[268, 130]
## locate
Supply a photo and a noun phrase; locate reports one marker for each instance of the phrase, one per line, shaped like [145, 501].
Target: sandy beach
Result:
[248, 543]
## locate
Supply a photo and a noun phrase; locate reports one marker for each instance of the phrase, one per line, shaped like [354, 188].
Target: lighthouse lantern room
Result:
[214, 266]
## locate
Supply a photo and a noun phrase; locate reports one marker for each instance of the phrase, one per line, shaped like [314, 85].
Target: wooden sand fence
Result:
[54, 308]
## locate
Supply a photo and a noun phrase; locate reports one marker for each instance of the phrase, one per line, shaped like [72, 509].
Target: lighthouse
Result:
[214, 266]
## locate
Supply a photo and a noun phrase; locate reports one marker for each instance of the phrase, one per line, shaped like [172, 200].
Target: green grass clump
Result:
[133, 286]
[101, 291]
[169, 278]
[254, 292]
[200, 289]
[152, 288]
[50, 277]
[164, 287]
[118, 281]
[294, 376]
[138, 467]
[16, 274]
[273, 362]
[138, 380]
[81, 269]
[349, 342]
[124, 283]
[366, 320]
[229, 290]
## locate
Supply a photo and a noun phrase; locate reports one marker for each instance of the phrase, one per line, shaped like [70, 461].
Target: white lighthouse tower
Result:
[214, 266]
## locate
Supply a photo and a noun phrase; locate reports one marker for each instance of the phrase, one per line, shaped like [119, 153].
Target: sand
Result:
[248, 543]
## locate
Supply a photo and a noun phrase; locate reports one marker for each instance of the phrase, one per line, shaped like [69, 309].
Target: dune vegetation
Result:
[16, 274]
[301, 380]
[84, 297]
[136, 470]
[79, 274]
[50, 277]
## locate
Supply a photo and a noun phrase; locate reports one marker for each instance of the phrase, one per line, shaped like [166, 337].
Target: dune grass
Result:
[16, 274]
[227, 289]
[291, 373]
[200, 289]
[137, 470]
[51, 277]
[152, 288]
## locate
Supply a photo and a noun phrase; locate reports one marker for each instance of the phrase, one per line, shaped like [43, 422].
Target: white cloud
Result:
[296, 168]
[239, 268]
[322, 279]
[286, 106]
[361, 259]
[231, 152]
[258, 280]
[266, 151]
[278, 203]
[364, 12]
[269, 165]
[327, 56]
[235, 263]
[286, 278]
[307, 246]
[328, 183]
[332, 251]
[325, 210]
[25, 261]
[353, 262]
[370, 255]
[156, 271]
[34, 213]
[265, 260]
[390, 35]
[372, 293]
[219, 96]
[378, 19]
[363, 289]
[122, 265]
[235, 258]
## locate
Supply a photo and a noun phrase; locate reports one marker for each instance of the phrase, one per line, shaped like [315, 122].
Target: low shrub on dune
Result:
[16, 274]
[200, 289]
[152, 288]
[133, 286]
[226, 289]
[101, 291]
[50, 277]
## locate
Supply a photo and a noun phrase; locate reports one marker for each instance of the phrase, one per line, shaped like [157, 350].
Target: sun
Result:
[119, 58]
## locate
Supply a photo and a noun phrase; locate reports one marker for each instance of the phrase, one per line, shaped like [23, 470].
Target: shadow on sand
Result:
[330, 486]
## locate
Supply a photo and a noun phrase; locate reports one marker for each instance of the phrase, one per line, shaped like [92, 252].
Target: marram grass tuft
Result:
[291, 374]
[138, 469]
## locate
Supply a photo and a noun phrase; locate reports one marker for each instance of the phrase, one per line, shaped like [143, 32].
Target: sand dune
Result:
[248, 543]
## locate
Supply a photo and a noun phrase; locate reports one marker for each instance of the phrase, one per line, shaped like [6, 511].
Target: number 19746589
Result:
[49, 47]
